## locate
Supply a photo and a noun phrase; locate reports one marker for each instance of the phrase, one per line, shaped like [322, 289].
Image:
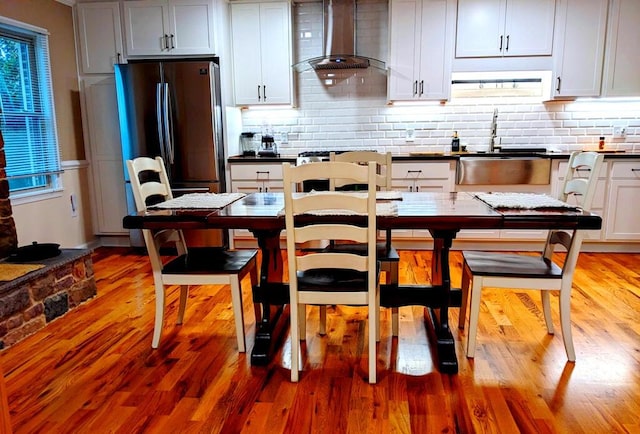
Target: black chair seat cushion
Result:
[333, 279]
[210, 260]
[511, 265]
[382, 253]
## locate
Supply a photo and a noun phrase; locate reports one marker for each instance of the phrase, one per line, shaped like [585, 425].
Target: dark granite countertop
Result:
[426, 155]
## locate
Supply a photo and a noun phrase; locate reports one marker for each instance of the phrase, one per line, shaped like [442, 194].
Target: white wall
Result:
[50, 220]
[350, 110]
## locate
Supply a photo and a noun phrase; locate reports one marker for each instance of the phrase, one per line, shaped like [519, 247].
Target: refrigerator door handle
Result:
[159, 119]
[168, 136]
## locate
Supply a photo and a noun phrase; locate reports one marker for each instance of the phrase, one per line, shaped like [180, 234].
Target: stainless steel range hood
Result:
[339, 40]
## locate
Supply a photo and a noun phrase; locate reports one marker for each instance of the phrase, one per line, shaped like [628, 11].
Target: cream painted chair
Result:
[191, 266]
[503, 270]
[326, 277]
[387, 254]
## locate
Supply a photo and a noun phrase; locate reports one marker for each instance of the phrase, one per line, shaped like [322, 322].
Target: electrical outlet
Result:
[284, 138]
[619, 132]
[409, 135]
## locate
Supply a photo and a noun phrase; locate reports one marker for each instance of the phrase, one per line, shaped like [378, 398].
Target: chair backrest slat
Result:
[149, 178]
[580, 181]
[383, 167]
[363, 203]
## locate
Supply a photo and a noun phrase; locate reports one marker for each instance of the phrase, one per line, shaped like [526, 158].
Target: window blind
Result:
[27, 117]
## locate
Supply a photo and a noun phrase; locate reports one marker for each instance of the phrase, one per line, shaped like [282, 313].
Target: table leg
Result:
[439, 316]
[270, 295]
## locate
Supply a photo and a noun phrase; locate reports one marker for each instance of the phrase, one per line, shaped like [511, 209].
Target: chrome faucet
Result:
[494, 130]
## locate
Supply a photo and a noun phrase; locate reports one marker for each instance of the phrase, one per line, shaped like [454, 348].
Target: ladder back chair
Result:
[190, 266]
[520, 271]
[327, 277]
[387, 254]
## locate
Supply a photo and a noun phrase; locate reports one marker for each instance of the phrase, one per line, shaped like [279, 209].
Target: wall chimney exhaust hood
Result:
[339, 40]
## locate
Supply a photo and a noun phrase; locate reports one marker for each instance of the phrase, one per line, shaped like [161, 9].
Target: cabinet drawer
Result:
[629, 170]
[440, 170]
[254, 172]
[562, 169]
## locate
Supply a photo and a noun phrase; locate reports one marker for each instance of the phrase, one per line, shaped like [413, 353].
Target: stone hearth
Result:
[29, 302]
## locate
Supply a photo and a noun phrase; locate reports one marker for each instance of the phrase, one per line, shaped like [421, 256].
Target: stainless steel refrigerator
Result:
[171, 108]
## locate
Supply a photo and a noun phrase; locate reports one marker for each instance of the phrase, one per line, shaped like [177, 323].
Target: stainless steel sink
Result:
[495, 169]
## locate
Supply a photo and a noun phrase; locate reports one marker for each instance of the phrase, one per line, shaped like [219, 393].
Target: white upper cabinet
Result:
[261, 40]
[174, 27]
[421, 49]
[100, 36]
[579, 47]
[496, 28]
[622, 51]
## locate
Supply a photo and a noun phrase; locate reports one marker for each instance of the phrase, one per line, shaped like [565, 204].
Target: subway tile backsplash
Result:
[349, 110]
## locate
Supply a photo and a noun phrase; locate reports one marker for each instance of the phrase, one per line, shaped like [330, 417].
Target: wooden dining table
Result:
[442, 214]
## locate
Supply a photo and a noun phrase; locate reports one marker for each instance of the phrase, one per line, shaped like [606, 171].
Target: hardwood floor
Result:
[93, 371]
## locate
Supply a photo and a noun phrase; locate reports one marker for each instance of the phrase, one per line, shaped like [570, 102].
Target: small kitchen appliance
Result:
[268, 147]
[248, 144]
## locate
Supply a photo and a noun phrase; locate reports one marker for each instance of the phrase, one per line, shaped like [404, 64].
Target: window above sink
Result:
[525, 86]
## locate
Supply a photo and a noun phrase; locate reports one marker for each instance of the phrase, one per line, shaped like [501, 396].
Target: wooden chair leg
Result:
[546, 309]
[184, 296]
[565, 323]
[374, 314]
[238, 312]
[392, 279]
[323, 320]
[464, 287]
[295, 340]
[159, 320]
[302, 321]
[474, 312]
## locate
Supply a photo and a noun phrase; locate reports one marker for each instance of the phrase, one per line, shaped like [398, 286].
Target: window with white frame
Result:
[27, 116]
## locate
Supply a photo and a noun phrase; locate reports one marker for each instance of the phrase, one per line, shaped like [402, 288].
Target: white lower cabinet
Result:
[255, 178]
[425, 176]
[622, 222]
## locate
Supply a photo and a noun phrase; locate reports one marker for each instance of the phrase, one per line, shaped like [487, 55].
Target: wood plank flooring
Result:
[93, 371]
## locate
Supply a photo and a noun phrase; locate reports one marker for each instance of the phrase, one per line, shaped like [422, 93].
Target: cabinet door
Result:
[436, 49]
[404, 49]
[247, 57]
[261, 35]
[579, 47]
[528, 29]
[100, 36]
[622, 54]
[421, 49]
[480, 28]
[275, 37]
[145, 26]
[191, 27]
[105, 155]
[622, 223]
[494, 28]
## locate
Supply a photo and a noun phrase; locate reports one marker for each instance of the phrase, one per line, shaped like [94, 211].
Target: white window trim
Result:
[57, 189]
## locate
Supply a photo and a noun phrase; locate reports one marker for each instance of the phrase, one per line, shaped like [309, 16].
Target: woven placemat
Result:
[13, 271]
[201, 200]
